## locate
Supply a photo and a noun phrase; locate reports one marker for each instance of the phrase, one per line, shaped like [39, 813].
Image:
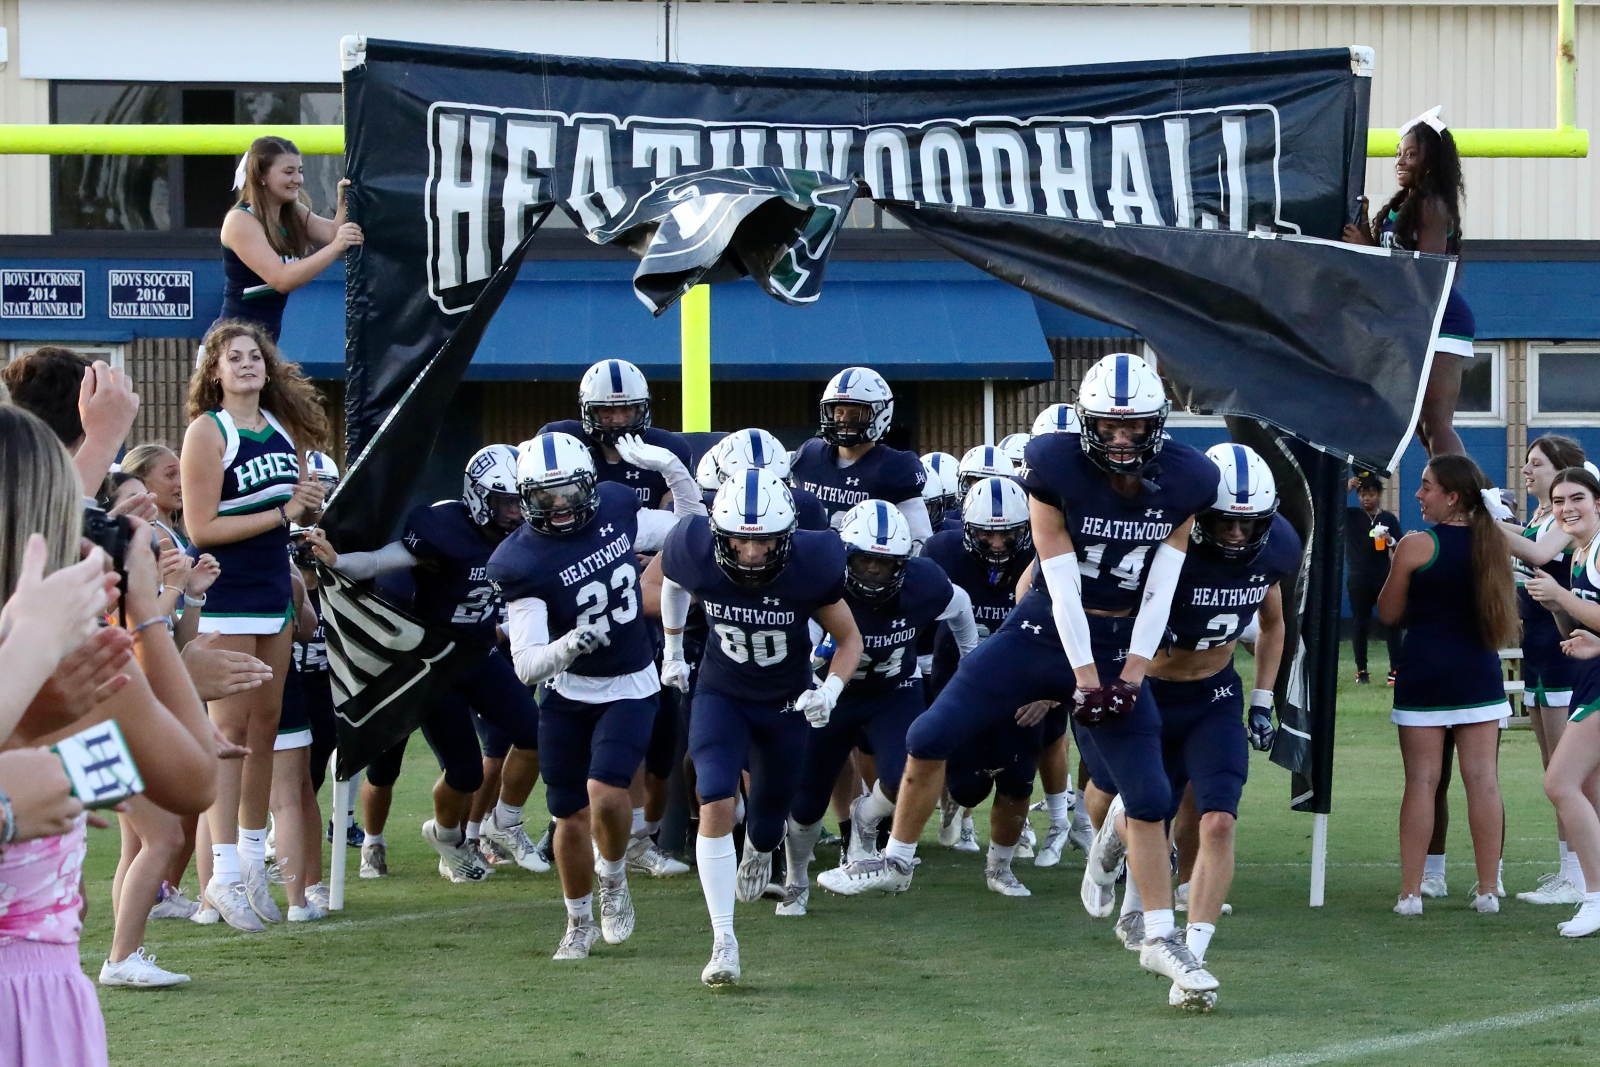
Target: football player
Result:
[753, 448]
[941, 492]
[980, 462]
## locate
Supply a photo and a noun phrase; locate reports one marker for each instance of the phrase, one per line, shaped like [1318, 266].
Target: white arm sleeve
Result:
[534, 657]
[1151, 624]
[963, 626]
[685, 493]
[654, 527]
[674, 604]
[916, 513]
[362, 565]
[1065, 582]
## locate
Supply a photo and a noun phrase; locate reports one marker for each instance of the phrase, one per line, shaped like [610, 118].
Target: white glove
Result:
[634, 451]
[675, 672]
[581, 640]
[1494, 506]
[817, 704]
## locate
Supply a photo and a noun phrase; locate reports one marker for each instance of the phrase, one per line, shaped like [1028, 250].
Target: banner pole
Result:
[340, 817]
[695, 309]
[1319, 858]
[988, 411]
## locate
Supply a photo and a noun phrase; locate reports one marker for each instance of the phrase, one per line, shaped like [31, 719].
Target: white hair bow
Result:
[1428, 118]
[239, 171]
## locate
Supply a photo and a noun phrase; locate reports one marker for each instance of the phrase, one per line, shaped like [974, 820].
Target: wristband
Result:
[283, 515]
[194, 601]
[1261, 698]
[834, 685]
[8, 832]
[165, 620]
[672, 647]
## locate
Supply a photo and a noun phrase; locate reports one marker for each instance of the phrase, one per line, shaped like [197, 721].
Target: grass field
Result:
[418, 971]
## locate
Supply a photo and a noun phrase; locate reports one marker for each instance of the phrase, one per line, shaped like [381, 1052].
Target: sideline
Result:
[1351, 1049]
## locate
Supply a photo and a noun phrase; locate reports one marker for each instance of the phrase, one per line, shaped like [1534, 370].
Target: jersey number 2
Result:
[594, 601]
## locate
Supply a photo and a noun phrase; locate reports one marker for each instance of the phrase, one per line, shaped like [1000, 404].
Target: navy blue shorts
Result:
[1004, 758]
[1547, 672]
[1203, 740]
[492, 690]
[726, 736]
[317, 688]
[384, 771]
[882, 719]
[1457, 327]
[494, 741]
[579, 742]
[1099, 776]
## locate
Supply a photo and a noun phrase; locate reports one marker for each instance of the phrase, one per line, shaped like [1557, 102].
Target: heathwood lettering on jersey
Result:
[1228, 598]
[1124, 530]
[595, 560]
[830, 495]
[752, 616]
[900, 637]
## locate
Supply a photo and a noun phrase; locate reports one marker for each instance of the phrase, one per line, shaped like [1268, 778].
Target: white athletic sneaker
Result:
[1081, 838]
[308, 914]
[881, 874]
[491, 853]
[579, 938]
[207, 915]
[616, 909]
[1584, 923]
[968, 840]
[1004, 881]
[232, 905]
[1499, 889]
[515, 843]
[1026, 842]
[863, 843]
[1198, 1000]
[1554, 888]
[755, 871]
[1487, 903]
[374, 860]
[174, 906]
[1055, 842]
[1433, 886]
[1098, 900]
[795, 899]
[647, 857]
[723, 970]
[138, 971]
[259, 892]
[1108, 854]
[458, 862]
[319, 895]
[1411, 905]
[1180, 900]
[1171, 956]
[1130, 931]
[949, 820]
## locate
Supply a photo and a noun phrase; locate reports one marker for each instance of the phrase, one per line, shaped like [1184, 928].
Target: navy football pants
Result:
[579, 741]
[884, 719]
[1203, 739]
[728, 735]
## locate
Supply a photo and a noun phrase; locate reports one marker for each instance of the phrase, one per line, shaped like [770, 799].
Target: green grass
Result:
[417, 971]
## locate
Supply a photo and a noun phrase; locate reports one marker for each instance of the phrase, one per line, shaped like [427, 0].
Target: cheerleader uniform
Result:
[1457, 328]
[1547, 672]
[252, 594]
[1447, 675]
[1586, 672]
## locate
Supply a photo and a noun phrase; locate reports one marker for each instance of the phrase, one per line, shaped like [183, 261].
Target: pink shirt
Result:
[39, 882]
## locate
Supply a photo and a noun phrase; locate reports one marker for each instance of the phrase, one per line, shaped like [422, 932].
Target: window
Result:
[1483, 377]
[176, 192]
[1564, 385]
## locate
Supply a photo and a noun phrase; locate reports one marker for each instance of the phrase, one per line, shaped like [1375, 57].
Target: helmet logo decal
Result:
[751, 483]
[616, 376]
[549, 453]
[1241, 474]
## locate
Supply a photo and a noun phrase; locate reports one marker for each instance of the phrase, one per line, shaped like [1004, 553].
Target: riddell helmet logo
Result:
[755, 526]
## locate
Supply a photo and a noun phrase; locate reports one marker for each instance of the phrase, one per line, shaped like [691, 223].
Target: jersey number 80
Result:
[766, 647]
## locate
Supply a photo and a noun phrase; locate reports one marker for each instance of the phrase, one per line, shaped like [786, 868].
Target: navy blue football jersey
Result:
[889, 630]
[452, 579]
[311, 657]
[951, 522]
[884, 473]
[649, 486]
[1217, 597]
[993, 591]
[759, 649]
[589, 578]
[1115, 535]
[808, 510]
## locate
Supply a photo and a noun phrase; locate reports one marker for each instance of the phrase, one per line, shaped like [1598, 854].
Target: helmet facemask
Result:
[744, 571]
[561, 509]
[848, 423]
[1232, 536]
[1117, 446]
[980, 542]
[874, 577]
[606, 423]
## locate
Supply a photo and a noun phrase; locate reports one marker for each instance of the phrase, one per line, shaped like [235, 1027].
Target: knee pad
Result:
[565, 801]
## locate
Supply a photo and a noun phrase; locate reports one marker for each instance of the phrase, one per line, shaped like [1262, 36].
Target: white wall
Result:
[297, 40]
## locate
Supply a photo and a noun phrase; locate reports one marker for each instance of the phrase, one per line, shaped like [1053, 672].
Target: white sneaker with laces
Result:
[949, 820]
[259, 892]
[175, 906]
[579, 938]
[1433, 886]
[1003, 880]
[755, 871]
[1584, 923]
[319, 894]
[1108, 853]
[795, 899]
[647, 857]
[1198, 1000]
[138, 971]
[1026, 843]
[232, 905]
[1170, 956]
[723, 970]
[1411, 905]
[863, 843]
[1554, 888]
[308, 914]
[1081, 838]
[1486, 903]
[458, 861]
[881, 874]
[207, 915]
[616, 909]
[1055, 842]
[968, 840]
[1098, 900]
[515, 843]
[1130, 931]
[374, 860]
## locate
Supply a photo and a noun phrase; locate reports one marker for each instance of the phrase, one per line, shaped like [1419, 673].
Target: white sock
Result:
[506, 816]
[1575, 872]
[1000, 855]
[372, 838]
[1198, 938]
[1060, 807]
[474, 830]
[638, 822]
[580, 907]
[878, 806]
[252, 847]
[1434, 865]
[611, 868]
[224, 864]
[799, 845]
[719, 872]
[451, 835]
[652, 827]
[1131, 900]
[1157, 924]
[899, 850]
[1562, 853]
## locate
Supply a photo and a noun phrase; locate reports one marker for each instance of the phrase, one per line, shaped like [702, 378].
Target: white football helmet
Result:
[1238, 523]
[1057, 418]
[614, 383]
[996, 506]
[751, 448]
[1013, 445]
[706, 475]
[491, 471]
[754, 505]
[556, 481]
[1122, 387]
[980, 462]
[877, 541]
[941, 486]
[323, 469]
[863, 386]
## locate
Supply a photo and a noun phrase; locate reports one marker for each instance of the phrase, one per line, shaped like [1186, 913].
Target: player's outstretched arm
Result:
[685, 496]
[1058, 563]
[393, 556]
[1269, 646]
[963, 624]
[1155, 605]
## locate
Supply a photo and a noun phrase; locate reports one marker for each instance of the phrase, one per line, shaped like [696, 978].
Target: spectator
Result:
[268, 237]
[157, 467]
[1370, 534]
[89, 405]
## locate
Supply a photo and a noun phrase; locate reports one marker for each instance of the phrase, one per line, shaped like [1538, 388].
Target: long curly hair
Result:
[288, 393]
[1440, 177]
[1494, 588]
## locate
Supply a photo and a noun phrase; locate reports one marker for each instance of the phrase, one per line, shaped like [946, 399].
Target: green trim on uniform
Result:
[223, 430]
[1582, 711]
[1454, 707]
[260, 437]
[1457, 337]
[287, 614]
[1430, 563]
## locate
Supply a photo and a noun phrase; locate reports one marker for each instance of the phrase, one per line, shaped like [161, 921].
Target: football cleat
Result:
[1108, 853]
[647, 857]
[1433, 886]
[514, 843]
[795, 899]
[374, 860]
[968, 841]
[616, 909]
[1180, 900]
[1049, 852]
[1081, 837]
[1554, 888]
[579, 938]
[1130, 930]
[755, 871]
[1198, 1000]
[1098, 900]
[949, 821]
[1026, 842]
[863, 835]
[458, 862]
[882, 874]
[491, 854]
[723, 970]
[1004, 881]
[1171, 957]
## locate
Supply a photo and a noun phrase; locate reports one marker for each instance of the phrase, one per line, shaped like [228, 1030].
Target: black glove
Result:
[1088, 707]
[1262, 732]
